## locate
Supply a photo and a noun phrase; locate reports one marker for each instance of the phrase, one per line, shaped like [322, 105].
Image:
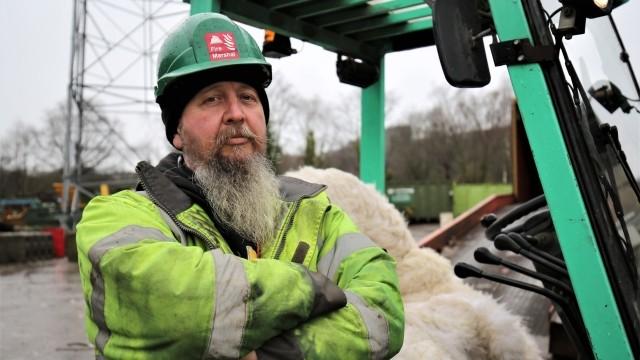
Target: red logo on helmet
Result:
[222, 46]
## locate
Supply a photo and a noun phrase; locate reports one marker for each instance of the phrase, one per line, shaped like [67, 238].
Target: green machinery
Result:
[577, 156]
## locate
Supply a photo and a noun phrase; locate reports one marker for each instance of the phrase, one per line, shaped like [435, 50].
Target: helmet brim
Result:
[243, 69]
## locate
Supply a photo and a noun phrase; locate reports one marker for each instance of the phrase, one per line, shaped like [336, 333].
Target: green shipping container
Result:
[466, 196]
[420, 202]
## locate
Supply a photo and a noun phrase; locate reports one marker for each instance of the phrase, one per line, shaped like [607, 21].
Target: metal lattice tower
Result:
[112, 74]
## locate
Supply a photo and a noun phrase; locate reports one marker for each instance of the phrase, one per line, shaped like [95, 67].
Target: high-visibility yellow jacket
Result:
[161, 283]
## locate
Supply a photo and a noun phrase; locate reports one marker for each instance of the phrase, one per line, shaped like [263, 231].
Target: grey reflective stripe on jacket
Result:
[125, 236]
[376, 323]
[230, 312]
[345, 245]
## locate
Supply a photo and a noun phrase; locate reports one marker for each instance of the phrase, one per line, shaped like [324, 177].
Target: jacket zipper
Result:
[287, 228]
[178, 223]
[320, 232]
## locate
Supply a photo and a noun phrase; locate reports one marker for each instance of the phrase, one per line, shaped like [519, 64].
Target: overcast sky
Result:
[36, 36]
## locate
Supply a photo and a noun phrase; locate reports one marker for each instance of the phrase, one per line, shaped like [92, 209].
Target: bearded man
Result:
[216, 257]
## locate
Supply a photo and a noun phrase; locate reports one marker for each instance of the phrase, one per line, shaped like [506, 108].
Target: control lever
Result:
[504, 242]
[484, 256]
[526, 245]
[464, 270]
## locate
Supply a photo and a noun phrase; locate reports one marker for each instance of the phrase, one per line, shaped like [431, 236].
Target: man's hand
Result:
[250, 356]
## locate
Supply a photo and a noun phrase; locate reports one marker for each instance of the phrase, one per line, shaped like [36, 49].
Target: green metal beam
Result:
[573, 226]
[383, 21]
[391, 31]
[203, 6]
[279, 4]
[255, 15]
[323, 7]
[363, 12]
[372, 154]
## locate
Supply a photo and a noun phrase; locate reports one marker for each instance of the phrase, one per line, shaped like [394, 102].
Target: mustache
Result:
[226, 133]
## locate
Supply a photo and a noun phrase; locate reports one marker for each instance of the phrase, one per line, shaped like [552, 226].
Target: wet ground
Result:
[420, 230]
[41, 311]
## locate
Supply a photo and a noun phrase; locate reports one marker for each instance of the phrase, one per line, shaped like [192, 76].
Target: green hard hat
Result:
[204, 49]
[205, 42]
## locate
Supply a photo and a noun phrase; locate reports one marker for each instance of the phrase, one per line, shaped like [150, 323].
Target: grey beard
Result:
[243, 193]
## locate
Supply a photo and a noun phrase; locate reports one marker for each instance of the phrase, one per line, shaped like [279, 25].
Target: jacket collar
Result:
[293, 189]
[162, 190]
[174, 200]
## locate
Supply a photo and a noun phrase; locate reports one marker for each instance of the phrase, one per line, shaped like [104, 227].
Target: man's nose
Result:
[234, 111]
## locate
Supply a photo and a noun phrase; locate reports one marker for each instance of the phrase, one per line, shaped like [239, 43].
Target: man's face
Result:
[224, 119]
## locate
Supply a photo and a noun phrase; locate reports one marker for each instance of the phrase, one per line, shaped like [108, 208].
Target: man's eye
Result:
[211, 99]
[249, 97]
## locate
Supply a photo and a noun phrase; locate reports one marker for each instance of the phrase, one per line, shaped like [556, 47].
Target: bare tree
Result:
[464, 137]
[485, 120]
[102, 146]
[335, 127]
[15, 160]
[283, 103]
[293, 117]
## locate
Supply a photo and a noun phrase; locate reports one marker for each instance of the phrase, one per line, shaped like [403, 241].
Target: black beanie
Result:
[178, 94]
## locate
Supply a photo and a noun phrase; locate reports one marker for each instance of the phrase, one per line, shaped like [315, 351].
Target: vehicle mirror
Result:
[609, 96]
[456, 29]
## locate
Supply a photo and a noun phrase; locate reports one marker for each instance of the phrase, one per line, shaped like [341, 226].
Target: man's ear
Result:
[177, 141]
